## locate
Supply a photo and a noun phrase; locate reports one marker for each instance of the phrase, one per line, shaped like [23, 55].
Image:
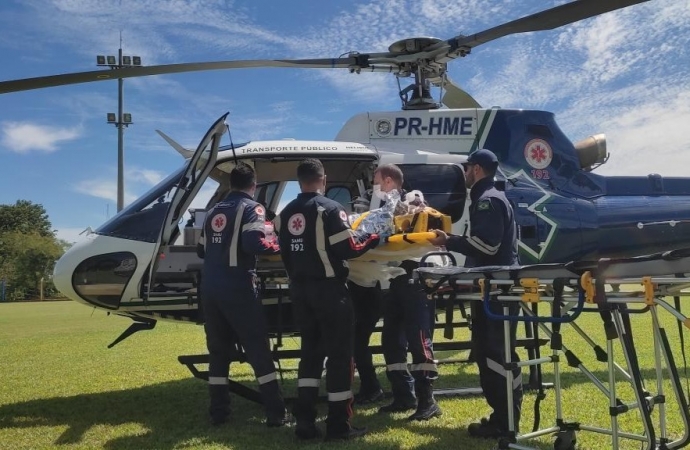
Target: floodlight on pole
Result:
[122, 120]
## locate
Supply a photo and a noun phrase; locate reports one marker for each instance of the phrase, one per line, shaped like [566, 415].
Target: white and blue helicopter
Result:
[141, 263]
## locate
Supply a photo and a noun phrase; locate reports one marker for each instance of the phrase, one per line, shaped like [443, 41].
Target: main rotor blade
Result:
[545, 20]
[142, 71]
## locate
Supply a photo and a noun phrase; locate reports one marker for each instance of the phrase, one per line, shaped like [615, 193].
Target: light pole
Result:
[122, 120]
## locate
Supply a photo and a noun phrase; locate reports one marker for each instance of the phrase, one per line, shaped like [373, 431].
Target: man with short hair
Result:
[232, 236]
[367, 300]
[316, 240]
[408, 324]
[492, 241]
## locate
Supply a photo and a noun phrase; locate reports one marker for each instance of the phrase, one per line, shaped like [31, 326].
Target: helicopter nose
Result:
[62, 274]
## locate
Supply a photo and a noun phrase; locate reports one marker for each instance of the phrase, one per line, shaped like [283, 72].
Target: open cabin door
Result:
[200, 165]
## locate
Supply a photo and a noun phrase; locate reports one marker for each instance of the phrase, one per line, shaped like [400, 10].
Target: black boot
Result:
[427, 408]
[364, 397]
[276, 414]
[352, 433]
[403, 393]
[219, 408]
[399, 405]
[304, 412]
[338, 425]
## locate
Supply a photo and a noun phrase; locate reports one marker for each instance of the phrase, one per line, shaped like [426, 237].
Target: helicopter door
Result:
[198, 169]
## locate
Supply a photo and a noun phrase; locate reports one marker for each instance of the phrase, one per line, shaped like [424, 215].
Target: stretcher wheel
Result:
[565, 440]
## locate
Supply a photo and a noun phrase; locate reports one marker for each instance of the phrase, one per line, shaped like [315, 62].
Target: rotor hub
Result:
[412, 45]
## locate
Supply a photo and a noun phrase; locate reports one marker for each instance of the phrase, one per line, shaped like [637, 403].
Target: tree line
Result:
[29, 249]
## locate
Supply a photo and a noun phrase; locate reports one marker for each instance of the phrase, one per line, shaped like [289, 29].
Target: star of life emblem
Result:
[296, 224]
[538, 153]
[219, 222]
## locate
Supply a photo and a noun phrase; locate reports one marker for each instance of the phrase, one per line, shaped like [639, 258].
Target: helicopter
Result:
[134, 266]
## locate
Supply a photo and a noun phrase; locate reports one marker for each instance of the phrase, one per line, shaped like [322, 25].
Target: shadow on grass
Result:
[173, 415]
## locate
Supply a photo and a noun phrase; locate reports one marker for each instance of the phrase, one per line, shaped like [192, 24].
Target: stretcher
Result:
[411, 236]
[569, 290]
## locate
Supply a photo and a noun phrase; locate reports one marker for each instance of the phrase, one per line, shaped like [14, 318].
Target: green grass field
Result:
[62, 388]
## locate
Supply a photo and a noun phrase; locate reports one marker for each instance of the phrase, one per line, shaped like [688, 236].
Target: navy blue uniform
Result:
[368, 306]
[492, 241]
[408, 325]
[316, 240]
[233, 234]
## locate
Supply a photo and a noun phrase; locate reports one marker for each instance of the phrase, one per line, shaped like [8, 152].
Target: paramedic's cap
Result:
[486, 159]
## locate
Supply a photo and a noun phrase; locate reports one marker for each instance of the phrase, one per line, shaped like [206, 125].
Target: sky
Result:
[624, 73]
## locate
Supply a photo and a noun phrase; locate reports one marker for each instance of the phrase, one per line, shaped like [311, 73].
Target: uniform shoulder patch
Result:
[218, 222]
[483, 205]
[259, 210]
[343, 216]
[296, 224]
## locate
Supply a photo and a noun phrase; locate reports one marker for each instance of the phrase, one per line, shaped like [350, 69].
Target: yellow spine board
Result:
[422, 222]
[411, 229]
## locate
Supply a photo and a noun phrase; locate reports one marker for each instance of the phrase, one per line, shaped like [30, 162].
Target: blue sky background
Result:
[624, 74]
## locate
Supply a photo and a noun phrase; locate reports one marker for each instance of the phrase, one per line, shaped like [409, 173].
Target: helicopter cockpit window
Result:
[443, 186]
[142, 220]
[102, 279]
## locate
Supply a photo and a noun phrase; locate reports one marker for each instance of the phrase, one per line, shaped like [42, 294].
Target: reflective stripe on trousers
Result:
[397, 366]
[498, 368]
[267, 378]
[217, 380]
[308, 382]
[339, 396]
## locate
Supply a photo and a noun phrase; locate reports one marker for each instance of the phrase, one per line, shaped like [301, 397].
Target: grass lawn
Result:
[62, 388]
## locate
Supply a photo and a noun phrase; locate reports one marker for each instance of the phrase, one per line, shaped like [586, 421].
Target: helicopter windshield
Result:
[142, 219]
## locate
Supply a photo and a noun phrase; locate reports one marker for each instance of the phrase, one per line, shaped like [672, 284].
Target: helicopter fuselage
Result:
[136, 265]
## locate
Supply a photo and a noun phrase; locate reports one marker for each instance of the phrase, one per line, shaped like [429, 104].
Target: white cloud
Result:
[651, 137]
[156, 30]
[24, 137]
[101, 188]
[596, 74]
[621, 73]
[106, 188]
[145, 176]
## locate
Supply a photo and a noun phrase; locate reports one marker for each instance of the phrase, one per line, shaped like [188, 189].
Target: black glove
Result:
[374, 240]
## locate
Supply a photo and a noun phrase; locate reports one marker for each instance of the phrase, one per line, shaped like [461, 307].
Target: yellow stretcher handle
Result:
[402, 238]
[358, 220]
[417, 238]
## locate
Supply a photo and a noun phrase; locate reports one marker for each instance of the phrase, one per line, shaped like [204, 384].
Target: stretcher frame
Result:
[585, 284]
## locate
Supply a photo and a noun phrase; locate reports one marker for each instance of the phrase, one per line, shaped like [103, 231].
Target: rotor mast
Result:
[417, 96]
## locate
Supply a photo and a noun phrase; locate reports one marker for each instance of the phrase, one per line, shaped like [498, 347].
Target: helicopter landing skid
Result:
[191, 361]
[236, 388]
